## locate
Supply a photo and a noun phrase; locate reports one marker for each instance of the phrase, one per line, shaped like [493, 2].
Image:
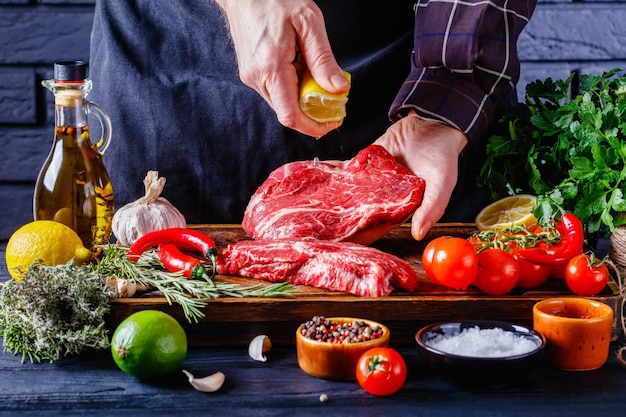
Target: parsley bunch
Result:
[567, 148]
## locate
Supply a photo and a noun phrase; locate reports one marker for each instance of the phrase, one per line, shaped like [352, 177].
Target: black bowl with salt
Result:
[481, 353]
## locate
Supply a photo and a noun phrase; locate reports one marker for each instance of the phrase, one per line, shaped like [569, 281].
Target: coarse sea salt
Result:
[482, 343]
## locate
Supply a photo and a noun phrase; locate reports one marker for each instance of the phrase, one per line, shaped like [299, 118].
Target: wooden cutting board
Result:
[235, 321]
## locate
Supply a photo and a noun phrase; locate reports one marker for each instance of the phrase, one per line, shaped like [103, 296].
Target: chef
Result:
[205, 92]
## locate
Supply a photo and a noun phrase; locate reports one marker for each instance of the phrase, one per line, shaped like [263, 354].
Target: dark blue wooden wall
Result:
[564, 36]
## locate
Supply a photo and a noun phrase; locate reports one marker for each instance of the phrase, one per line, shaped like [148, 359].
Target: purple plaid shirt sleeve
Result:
[464, 63]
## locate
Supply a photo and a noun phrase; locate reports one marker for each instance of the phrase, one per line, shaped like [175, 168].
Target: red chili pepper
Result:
[175, 235]
[571, 244]
[176, 261]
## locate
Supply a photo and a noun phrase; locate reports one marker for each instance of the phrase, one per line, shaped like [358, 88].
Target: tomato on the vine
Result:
[477, 241]
[455, 263]
[498, 271]
[451, 261]
[429, 254]
[586, 275]
[381, 371]
[558, 271]
[532, 275]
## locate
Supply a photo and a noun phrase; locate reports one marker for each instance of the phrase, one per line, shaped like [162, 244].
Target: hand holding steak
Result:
[431, 150]
[372, 195]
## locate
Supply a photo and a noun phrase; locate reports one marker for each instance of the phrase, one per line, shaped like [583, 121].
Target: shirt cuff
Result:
[441, 94]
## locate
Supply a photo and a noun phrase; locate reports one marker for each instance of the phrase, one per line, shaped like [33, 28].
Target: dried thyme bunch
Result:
[56, 311]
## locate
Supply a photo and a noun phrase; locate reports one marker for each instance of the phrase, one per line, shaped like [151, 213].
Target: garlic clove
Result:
[126, 288]
[209, 383]
[260, 345]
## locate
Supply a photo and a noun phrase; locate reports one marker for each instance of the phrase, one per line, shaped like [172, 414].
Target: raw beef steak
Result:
[336, 266]
[307, 199]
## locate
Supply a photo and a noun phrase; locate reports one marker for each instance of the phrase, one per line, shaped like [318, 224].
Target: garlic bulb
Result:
[147, 214]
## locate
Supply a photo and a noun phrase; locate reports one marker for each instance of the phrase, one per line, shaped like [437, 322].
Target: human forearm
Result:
[464, 63]
[275, 40]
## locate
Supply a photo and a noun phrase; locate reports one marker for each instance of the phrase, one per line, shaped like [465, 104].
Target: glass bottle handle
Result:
[105, 121]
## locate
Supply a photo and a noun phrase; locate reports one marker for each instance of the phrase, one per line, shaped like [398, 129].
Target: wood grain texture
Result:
[91, 384]
[238, 320]
[235, 321]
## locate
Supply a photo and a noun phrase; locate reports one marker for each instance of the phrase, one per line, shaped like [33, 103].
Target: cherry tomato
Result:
[558, 271]
[429, 254]
[454, 263]
[532, 275]
[381, 371]
[498, 272]
[586, 275]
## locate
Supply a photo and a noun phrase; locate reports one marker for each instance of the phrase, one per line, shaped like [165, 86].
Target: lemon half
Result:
[509, 211]
[320, 105]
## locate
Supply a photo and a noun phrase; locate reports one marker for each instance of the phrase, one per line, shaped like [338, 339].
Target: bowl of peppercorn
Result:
[330, 348]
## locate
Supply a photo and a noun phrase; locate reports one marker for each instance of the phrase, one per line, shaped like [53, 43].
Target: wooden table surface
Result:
[92, 385]
[238, 320]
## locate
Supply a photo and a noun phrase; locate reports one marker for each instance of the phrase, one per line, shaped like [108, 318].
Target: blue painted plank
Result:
[23, 152]
[17, 95]
[39, 35]
[16, 208]
[580, 31]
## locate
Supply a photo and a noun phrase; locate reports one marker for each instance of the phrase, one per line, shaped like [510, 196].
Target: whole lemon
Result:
[52, 242]
[149, 344]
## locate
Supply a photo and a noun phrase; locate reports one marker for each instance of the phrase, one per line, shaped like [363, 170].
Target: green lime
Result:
[149, 344]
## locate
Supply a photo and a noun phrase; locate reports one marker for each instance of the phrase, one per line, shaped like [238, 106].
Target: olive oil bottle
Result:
[73, 186]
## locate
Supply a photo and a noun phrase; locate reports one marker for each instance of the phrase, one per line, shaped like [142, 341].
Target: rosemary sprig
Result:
[191, 295]
[280, 289]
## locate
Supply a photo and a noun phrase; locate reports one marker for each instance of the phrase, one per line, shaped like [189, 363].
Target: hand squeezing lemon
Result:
[319, 104]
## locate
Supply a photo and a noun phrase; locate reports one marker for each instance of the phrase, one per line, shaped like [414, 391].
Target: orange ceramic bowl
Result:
[577, 331]
[332, 360]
